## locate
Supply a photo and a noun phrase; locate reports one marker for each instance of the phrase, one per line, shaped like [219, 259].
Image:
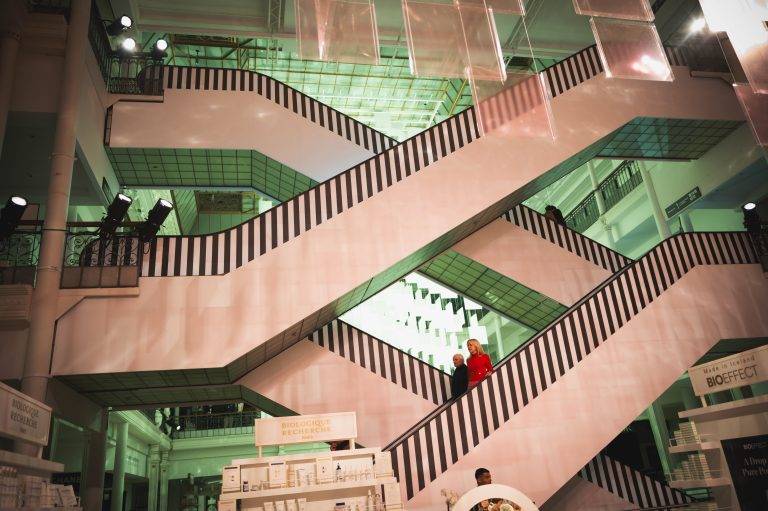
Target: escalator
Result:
[551, 405]
[211, 308]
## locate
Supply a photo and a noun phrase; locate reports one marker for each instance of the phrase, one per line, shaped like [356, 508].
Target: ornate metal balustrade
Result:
[19, 254]
[91, 261]
[584, 214]
[208, 425]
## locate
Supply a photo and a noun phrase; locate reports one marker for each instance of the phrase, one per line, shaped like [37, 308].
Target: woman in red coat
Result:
[478, 364]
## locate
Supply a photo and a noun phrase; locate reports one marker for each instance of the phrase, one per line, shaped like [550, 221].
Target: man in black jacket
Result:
[460, 378]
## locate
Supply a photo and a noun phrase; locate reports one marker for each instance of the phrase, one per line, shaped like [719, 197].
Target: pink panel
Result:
[631, 50]
[756, 109]
[519, 108]
[311, 16]
[350, 33]
[499, 6]
[744, 21]
[620, 9]
[483, 48]
[435, 39]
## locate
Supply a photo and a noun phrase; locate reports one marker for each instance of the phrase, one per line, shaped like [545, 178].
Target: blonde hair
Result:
[477, 344]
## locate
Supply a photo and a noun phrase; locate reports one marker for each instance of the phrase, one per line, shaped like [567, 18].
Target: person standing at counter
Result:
[479, 363]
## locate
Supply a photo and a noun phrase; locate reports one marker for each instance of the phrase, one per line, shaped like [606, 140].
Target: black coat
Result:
[459, 381]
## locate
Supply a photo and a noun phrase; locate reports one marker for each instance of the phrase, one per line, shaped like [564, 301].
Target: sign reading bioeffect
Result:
[305, 428]
[745, 368]
[23, 417]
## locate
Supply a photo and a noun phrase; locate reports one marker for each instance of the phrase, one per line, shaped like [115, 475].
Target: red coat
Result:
[479, 367]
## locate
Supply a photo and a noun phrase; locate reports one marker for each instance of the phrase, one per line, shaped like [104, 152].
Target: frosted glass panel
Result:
[500, 6]
[485, 61]
[631, 50]
[620, 9]
[350, 33]
[756, 109]
[520, 107]
[436, 44]
[744, 22]
[311, 16]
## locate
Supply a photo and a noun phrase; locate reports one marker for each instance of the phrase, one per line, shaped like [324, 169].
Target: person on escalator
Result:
[460, 377]
[554, 214]
[478, 364]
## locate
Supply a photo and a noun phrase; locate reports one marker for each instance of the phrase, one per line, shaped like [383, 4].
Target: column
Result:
[12, 13]
[92, 477]
[45, 296]
[162, 502]
[658, 214]
[153, 476]
[118, 470]
[610, 241]
[685, 221]
[660, 434]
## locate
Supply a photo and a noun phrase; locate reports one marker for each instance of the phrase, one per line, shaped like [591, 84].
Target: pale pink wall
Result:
[553, 437]
[193, 322]
[310, 379]
[581, 495]
[36, 83]
[234, 120]
[532, 261]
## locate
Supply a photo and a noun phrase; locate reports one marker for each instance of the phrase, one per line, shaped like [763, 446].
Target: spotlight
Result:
[119, 25]
[749, 206]
[178, 427]
[115, 214]
[158, 50]
[155, 218]
[697, 25]
[128, 44]
[11, 214]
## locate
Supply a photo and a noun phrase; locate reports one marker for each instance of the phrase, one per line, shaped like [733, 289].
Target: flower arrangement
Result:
[451, 497]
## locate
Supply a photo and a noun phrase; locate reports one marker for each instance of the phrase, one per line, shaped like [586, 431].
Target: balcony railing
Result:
[91, 261]
[209, 425]
[613, 188]
[19, 254]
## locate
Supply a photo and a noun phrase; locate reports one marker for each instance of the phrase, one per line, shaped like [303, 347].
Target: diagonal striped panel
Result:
[630, 484]
[539, 363]
[385, 360]
[197, 78]
[566, 238]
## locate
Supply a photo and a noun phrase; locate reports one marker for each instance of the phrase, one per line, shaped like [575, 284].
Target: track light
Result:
[155, 218]
[749, 206]
[158, 50]
[11, 214]
[120, 25]
[115, 214]
[697, 25]
[128, 45]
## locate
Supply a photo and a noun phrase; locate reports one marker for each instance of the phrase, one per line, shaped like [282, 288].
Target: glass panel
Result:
[350, 33]
[520, 107]
[311, 16]
[631, 50]
[756, 109]
[499, 6]
[744, 21]
[482, 40]
[435, 40]
[620, 9]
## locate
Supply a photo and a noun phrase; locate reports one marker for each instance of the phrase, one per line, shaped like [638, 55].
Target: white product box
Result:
[269, 506]
[230, 479]
[230, 505]
[302, 504]
[324, 469]
[290, 505]
[277, 475]
[279, 505]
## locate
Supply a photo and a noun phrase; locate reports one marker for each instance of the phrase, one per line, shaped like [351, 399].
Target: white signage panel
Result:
[305, 428]
[22, 417]
[745, 368]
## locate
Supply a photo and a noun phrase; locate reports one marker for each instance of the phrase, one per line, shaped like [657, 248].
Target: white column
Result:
[658, 213]
[685, 221]
[610, 241]
[92, 479]
[118, 470]
[162, 501]
[12, 13]
[153, 474]
[45, 296]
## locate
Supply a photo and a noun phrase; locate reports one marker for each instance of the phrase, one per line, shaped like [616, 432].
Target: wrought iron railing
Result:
[19, 254]
[48, 6]
[208, 425]
[619, 183]
[92, 261]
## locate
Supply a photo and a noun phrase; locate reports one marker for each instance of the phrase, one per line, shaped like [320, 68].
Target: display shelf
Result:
[749, 406]
[694, 446]
[301, 490]
[685, 484]
[348, 453]
[30, 464]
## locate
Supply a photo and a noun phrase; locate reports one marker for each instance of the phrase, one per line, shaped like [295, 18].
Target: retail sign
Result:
[747, 460]
[683, 202]
[305, 428]
[22, 417]
[745, 368]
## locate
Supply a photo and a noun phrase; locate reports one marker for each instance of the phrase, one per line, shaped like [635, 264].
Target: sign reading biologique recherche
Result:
[22, 417]
[305, 428]
[745, 368]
